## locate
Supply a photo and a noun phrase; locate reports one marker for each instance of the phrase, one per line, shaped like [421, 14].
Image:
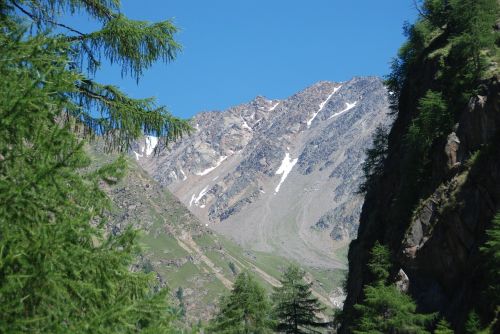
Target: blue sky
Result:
[234, 50]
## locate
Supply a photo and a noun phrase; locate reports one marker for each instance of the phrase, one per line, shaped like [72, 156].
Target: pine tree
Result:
[296, 309]
[245, 310]
[375, 158]
[59, 271]
[491, 252]
[443, 327]
[473, 324]
[384, 308]
[380, 262]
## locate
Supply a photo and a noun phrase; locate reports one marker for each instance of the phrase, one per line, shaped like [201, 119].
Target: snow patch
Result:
[208, 170]
[184, 177]
[196, 199]
[321, 106]
[274, 106]
[149, 146]
[348, 107]
[245, 126]
[137, 155]
[151, 142]
[285, 169]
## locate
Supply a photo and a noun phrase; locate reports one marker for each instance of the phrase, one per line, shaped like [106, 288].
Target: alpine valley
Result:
[256, 187]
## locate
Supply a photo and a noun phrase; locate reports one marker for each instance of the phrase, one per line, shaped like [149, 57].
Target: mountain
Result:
[187, 256]
[278, 176]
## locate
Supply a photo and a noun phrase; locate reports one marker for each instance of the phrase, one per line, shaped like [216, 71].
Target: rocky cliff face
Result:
[435, 246]
[279, 175]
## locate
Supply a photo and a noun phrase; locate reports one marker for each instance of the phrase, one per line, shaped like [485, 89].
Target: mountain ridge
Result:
[244, 171]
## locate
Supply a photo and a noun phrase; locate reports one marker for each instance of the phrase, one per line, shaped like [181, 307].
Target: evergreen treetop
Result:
[384, 308]
[296, 309]
[245, 310]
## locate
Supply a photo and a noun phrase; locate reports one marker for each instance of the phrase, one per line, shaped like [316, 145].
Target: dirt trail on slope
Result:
[275, 282]
[188, 244]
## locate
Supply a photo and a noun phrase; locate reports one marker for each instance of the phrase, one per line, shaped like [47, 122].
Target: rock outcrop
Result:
[435, 247]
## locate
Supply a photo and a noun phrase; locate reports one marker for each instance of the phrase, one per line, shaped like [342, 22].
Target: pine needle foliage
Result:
[373, 166]
[245, 310]
[380, 262]
[491, 254]
[295, 308]
[384, 308]
[130, 44]
[443, 327]
[59, 271]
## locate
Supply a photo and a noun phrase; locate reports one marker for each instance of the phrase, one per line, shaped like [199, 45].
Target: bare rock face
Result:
[279, 175]
[437, 246]
[402, 281]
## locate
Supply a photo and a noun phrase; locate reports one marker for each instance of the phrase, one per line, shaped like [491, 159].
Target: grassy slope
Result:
[187, 255]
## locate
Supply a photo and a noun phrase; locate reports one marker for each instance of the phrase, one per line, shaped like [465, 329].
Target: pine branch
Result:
[39, 20]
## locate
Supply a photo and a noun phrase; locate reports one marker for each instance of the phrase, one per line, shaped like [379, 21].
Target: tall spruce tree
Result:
[373, 166]
[59, 272]
[245, 310]
[443, 327]
[385, 309]
[295, 308]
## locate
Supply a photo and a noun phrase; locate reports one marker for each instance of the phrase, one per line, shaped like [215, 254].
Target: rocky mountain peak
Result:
[280, 175]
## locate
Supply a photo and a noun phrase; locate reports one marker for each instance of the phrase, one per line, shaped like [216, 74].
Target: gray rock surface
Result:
[280, 175]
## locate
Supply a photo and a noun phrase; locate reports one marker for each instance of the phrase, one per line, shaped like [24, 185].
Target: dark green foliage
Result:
[295, 307]
[471, 25]
[443, 327]
[432, 122]
[180, 297]
[373, 166]
[380, 262]
[384, 308]
[436, 12]
[491, 255]
[491, 251]
[473, 324]
[245, 310]
[132, 45]
[233, 268]
[59, 271]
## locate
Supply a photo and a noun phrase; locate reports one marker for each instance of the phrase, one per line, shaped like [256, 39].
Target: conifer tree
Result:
[443, 327]
[295, 308]
[245, 310]
[384, 308]
[59, 271]
[373, 165]
[491, 251]
[473, 324]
